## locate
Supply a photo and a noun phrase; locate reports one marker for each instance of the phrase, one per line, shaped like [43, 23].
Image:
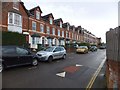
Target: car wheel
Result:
[64, 56]
[35, 62]
[50, 59]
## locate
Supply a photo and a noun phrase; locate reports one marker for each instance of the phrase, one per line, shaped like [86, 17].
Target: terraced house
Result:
[41, 30]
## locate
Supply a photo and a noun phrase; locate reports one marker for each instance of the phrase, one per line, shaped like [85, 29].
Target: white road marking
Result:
[61, 74]
[77, 65]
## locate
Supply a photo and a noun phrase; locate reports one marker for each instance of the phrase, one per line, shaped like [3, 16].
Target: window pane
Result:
[37, 15]
[21, 51]
[62, 33]
[50, 20]
[41, 28]
[60, 24]
[53, 31]
[33, 40]
[17, 19]
[8, 50]
[10, 18]
[48, 30]
[33, 25]
[57, 49]
[58, 32]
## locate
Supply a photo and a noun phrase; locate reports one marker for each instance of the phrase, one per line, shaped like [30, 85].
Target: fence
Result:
[113, 58]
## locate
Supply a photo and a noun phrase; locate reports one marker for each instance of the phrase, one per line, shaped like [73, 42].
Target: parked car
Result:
[102, 47]
[16, 56]
[51, 53]
[82, 49]
[93, 48]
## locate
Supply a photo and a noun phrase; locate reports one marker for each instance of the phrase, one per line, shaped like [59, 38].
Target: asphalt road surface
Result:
[75, 71]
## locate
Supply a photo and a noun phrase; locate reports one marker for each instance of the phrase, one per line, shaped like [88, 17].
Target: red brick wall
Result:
[6, 7]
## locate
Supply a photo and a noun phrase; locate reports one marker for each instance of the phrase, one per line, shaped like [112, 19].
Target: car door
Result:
[62, 52]
[24, 56]
[9, 56]
[56, 53]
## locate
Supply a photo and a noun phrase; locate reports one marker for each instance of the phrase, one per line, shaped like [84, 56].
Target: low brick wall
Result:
[113, 74]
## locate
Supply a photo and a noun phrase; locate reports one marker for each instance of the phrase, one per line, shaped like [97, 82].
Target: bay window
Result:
[14, 19]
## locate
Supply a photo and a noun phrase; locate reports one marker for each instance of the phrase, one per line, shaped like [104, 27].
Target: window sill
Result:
[15, 25]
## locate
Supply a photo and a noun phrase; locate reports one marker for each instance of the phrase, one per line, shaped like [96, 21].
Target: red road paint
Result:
[71, 69]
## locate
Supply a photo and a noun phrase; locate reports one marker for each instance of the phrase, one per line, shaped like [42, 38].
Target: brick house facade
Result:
[39, 30]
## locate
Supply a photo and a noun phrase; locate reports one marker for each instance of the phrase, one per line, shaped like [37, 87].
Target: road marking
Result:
[89, 86]
[77, 65]
[61, 74]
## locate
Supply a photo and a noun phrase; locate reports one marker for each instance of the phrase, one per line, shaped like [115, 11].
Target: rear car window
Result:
[8, 50]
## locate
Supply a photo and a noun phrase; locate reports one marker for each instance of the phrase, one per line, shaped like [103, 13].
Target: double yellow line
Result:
[89, 86]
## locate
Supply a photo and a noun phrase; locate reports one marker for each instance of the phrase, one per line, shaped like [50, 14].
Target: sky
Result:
[96, 16]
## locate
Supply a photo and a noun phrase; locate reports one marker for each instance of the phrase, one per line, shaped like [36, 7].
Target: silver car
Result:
[50, 53]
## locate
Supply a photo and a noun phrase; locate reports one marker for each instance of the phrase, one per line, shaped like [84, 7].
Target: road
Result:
[75, 71]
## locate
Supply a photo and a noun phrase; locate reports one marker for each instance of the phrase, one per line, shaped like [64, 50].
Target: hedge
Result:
[13, 38]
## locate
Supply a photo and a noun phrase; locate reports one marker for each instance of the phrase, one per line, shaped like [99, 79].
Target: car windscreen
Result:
[82, 47]
[49, 49]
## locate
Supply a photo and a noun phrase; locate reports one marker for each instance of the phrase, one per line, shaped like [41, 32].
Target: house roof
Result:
[46, 17]
[56, 21]
[71, 27]
[65, 25]
[24, 7]
[35, 8]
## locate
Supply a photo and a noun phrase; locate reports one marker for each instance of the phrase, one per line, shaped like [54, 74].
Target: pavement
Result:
[100, 81]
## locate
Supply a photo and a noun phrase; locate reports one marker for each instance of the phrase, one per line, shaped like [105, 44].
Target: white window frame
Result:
[38, 15]
[67, 27]
[51, 21]
[53, 31]
[58, 32]
[62, 33]
[66, 34]
[32, 25]
[10, 18]
[33, 40]
[15, 18]
[42, 28]
[60, 24]
[48, 30]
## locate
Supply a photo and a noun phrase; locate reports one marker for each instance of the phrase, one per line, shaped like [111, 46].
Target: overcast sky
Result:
[96, 16]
